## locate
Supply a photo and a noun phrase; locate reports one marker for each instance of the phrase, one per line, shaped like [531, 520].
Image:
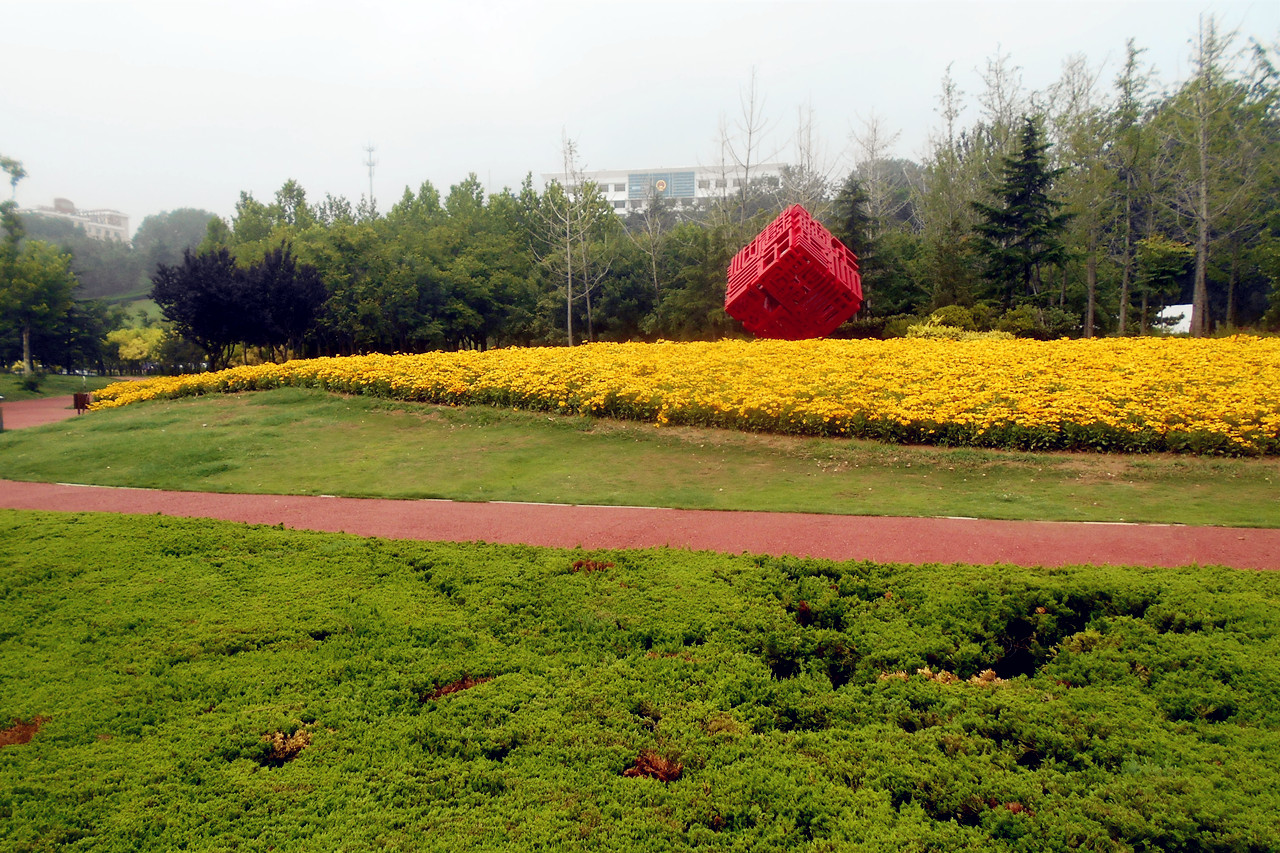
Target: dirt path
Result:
[907, 540]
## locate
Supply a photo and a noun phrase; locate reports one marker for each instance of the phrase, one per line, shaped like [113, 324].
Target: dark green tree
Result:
[283, 300]
[851, 221]
[1021, 232]
[204, 297]
[884, 254]
[273, 303]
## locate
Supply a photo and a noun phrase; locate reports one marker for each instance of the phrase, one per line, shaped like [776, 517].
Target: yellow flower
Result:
[1218, 395]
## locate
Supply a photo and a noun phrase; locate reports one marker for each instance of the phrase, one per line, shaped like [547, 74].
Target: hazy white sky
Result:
[152, 105]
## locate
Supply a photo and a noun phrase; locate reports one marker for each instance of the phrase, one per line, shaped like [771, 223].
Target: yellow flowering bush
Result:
[1130, 394]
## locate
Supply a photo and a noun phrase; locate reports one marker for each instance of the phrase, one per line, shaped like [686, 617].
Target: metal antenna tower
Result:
[370, 162]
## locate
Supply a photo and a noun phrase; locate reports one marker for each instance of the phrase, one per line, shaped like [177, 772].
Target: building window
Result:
[721, 183]
[635, 202]
[704, 184]
[619, 188]
[619, 204]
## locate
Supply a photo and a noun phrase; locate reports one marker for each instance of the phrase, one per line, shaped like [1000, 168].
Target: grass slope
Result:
[294, 441]
[213, 686]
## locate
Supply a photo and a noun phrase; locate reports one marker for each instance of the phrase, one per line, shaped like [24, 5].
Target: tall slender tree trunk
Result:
[568, 277]
[587, 286]
[1091, 285]
[27, 367]
[1232, 280]
[1126, 274]
[1200, 294]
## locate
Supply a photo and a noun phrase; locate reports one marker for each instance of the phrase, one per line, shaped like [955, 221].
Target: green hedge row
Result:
[210, 686]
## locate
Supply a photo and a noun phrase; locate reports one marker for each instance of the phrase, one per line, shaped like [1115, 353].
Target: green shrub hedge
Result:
[209, 686]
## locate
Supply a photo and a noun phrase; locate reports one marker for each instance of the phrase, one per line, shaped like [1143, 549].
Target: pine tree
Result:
[852, 225]
[1022, 232]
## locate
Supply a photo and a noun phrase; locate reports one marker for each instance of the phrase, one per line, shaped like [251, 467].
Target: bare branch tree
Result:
[1003, 100]
[808, 179]
[873, 145]
[1213, 157]
[741, 142]
[1080, 127]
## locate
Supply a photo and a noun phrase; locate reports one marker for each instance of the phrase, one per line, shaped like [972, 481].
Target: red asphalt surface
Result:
[836, 537]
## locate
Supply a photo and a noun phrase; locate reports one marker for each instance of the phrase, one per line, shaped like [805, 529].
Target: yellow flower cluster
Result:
[1132, 394]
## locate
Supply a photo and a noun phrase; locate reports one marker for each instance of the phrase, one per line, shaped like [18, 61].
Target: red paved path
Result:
[909, 540]
[38, 412]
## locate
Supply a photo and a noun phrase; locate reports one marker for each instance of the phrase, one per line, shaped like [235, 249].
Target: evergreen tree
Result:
[852, 225]
[850, 220]
[1022, 232]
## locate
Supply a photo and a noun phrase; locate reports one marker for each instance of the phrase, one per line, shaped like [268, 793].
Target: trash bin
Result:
[82, 402]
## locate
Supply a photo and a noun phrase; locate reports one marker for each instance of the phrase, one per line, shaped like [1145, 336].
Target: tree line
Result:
[63, 294]
[1078, 210]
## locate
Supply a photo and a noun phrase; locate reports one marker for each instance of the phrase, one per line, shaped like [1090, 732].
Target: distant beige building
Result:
[101, 224]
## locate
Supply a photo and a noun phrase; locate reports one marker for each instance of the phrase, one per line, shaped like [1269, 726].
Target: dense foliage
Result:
[59, 288]
[1200, 396]
[1075, 211]
[208, 686]
[217, 304]
[36, 283]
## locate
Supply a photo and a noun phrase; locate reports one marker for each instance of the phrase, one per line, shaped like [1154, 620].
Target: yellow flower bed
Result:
[1133, 394]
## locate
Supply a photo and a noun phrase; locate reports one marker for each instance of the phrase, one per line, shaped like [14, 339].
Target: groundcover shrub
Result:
[1117, 394]
[201, 685]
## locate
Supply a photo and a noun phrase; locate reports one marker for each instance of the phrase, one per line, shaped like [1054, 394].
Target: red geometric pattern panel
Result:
[794, 280]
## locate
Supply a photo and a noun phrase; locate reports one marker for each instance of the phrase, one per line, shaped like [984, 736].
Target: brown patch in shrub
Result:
[986, 678]
[21, 732]
[650, 764]
[453, 687]
[804, 614]
[589, 566]
[286, 747]
[1014, 807]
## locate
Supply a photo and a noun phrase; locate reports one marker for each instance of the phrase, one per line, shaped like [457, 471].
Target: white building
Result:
[101, 224]
[628, 190]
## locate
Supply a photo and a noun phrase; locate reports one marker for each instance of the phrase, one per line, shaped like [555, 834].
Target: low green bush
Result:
[954, 315]
[936, 330]
[203, 685]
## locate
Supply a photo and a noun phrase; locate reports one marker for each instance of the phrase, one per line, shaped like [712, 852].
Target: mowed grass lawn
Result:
[297, 441]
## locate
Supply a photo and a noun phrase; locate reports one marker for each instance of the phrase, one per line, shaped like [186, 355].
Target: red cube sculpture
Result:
[794, 280]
